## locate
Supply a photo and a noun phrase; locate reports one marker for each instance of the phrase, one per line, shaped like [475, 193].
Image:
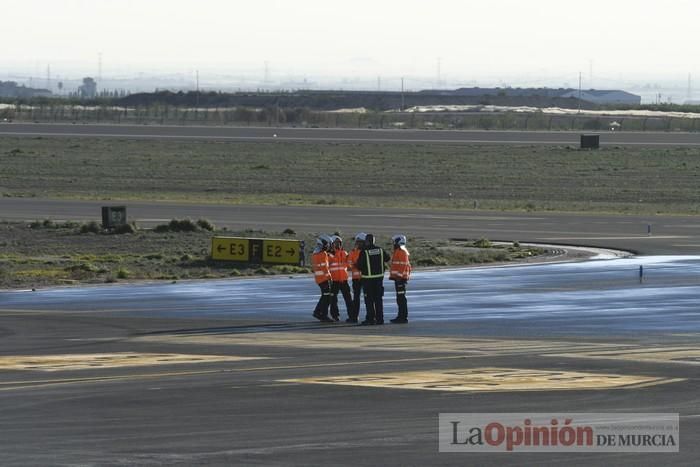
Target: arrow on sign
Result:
[220, 248]
[291, 251]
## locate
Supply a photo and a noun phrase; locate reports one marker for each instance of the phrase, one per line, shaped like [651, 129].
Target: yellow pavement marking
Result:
[684, 355]
[12, 385]
[490, 380]
[310, 340]
[23, 384]
[8, 312]
[106, 360]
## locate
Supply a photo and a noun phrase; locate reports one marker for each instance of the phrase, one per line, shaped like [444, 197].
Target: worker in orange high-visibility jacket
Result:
[339, 275]
[400, 273]
[322, 275]
[356, 277]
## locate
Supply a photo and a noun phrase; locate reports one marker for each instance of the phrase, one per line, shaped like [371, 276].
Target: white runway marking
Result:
[640, 237]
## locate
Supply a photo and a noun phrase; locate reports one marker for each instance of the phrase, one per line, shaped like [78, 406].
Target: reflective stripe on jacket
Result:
[400, 265]
[353, 256]
[320, 266]
[339, 265]
[371, 262]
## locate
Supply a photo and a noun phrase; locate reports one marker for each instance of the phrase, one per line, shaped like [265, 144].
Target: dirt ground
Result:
[43, 254]
[518, 177]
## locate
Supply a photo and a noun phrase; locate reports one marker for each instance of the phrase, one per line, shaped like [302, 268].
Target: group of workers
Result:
[367, 264]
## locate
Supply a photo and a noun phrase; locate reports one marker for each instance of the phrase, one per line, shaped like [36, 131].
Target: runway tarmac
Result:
[338, 135]
[238, 373]
[596, 297]
[669, 234]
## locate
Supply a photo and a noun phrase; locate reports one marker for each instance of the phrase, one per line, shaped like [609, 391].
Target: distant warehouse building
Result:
[593, 96]
[605, 97]
[12, 89]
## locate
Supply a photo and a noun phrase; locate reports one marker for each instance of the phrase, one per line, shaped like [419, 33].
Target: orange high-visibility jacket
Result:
[339, 265]
[400, 266]
[320, 266]
[353, 256]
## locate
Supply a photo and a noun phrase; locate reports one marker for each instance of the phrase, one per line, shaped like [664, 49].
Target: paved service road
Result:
[237, 373]
[561, 299]
[269, 134]
[670, 234]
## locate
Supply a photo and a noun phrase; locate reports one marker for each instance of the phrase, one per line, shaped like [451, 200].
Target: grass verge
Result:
[530, 178]
[52, 254]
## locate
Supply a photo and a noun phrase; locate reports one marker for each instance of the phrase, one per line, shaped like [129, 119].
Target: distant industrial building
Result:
[593, 96]
[605, 97]
[12, 89]
[88, 90]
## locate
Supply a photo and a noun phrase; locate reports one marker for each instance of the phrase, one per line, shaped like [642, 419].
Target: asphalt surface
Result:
[239, 373]
[588, 298]
[283, 134]
[669, 234]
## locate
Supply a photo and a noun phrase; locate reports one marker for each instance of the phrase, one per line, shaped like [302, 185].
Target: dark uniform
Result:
[356, 276]
[372, 264]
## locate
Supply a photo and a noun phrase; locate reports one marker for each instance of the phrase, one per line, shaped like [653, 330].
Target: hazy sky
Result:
[356, 38]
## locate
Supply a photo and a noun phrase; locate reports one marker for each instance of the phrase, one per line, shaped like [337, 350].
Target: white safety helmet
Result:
[336, 238]
[360, 237]
[399, 240]
[323, 240]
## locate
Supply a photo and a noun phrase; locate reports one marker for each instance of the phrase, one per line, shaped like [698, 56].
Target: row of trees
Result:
[104, 94]
[337, 99]
[52, 111]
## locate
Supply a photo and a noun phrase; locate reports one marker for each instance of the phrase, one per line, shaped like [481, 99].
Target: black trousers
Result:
[325, 300]
[401, 301]
[374, 293]
[356, 290]
[344, 288]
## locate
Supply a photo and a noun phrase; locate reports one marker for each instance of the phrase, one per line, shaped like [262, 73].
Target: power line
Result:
[197, 86]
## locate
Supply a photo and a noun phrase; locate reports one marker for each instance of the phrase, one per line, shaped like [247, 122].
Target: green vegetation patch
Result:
[513, 177]
[34, 257]
[185, 225]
